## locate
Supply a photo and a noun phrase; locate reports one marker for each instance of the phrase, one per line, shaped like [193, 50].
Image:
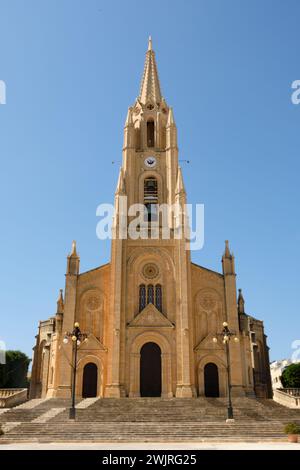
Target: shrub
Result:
[13, 374]
[292, 428]
[291, 376]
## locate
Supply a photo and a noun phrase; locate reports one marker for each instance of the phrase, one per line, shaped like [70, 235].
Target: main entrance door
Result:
[211, 380]
[89, 383]
[150, 370]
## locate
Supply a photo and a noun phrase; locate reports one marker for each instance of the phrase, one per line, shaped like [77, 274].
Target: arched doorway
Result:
[211, 380]
[89, 382]
[150, 370]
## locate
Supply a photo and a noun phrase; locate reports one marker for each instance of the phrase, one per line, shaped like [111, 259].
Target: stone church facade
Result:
[150, 313]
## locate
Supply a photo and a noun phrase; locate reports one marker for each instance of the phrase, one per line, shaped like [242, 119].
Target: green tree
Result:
[291, 376]
[13, 374]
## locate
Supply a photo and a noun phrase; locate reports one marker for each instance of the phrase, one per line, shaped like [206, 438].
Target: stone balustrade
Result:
[10, 397]
[291, 391]
[289, 397]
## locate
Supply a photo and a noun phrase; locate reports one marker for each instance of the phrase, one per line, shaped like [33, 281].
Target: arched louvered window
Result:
[150, 190]
[142, 297]
[150, 199]
[150, 134]
[158, 297]
[150, 299]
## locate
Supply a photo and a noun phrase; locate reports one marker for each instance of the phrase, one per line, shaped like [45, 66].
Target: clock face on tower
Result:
[150, 162]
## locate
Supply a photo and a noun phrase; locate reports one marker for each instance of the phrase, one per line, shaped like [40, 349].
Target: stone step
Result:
[147, 420]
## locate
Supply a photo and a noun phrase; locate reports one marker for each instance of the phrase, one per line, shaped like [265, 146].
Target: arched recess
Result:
[165, 278]
[222, 373]
[161, 256]
[150, 133]
[89, 380]
[92, 308]
[150, 370]
[151, 174]
[211, 380]
[166, 366]
[208, 317]
[90, 358]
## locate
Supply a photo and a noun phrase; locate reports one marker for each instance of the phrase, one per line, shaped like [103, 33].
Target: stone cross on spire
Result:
[150, 87]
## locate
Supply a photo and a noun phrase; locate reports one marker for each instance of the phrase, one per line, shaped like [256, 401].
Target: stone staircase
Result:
[148, 420]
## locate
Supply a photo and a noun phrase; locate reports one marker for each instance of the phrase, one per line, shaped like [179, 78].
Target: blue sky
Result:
[73, 67]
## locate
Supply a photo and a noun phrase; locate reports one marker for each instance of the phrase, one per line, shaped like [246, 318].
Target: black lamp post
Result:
[76, 337]
[226, 335]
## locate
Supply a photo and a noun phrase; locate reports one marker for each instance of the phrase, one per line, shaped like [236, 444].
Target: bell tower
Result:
[150, 140]
[150, 176]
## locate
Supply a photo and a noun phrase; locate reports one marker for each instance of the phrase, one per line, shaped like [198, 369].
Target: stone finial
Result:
[227, 253]
[228, 260]
[241, 303]
[171, 120]
[60, 302]
[121, 183]
[180, 189]
[73, 260]
[73, 251]
[150, 44]
[129, 120]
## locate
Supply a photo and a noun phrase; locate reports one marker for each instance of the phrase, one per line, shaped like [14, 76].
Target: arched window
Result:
[150, 189]
[150, 199]
[158, 297]
[150, 299]
[142, 297]
[150, 133]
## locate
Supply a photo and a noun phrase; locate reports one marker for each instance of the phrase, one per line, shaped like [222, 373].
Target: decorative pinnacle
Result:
[180, 185]
[129, 121]
[150, 44]
[121, 184]
[74, 252]
[227, 251]
[241, 302]
[171, 120]
[60, 302]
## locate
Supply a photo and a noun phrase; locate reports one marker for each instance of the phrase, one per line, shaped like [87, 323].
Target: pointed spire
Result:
[228, 260]
[121, 183]
[129, 120]
[241, 303]
[227, 253]
[60, 302]
[73, 260]
[150, 87]
[171, 120]
[73, 251]
[180, 189]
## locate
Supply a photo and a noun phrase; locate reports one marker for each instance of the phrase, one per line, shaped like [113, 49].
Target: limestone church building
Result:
[150, 313]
